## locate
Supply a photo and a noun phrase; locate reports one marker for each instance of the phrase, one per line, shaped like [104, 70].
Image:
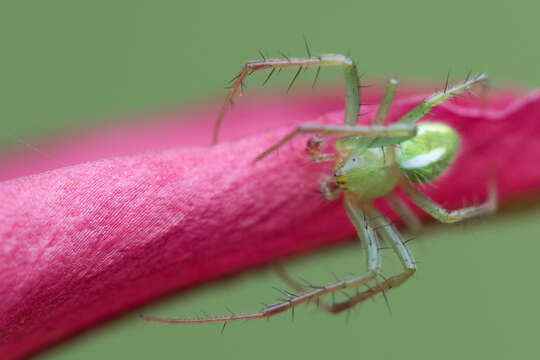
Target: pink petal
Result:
[82, 243]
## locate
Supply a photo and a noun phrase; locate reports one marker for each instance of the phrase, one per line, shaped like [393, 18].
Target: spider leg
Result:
[400, 132]
[352, 102]
[410, 219]
[386, 101]
[315, 146]
[328, 188]
[387, 231]
[445, 216]
[425, 106]
[365, 231]
[327, 185]
[287, 279]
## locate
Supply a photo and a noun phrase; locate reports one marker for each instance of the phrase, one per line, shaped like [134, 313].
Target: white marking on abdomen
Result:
[423, 160]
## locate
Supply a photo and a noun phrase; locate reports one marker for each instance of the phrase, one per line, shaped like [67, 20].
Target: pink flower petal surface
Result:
[84, 242]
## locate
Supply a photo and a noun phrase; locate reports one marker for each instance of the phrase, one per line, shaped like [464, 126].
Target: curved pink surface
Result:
[84, 242]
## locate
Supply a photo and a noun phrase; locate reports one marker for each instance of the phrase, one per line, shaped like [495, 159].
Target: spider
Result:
[369, 163]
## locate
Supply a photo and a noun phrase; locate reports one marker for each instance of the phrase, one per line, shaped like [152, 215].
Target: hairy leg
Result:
[425, 106]
[445, 216]
[388, 232]
[352, 104]
[392, 131]
[365, 231]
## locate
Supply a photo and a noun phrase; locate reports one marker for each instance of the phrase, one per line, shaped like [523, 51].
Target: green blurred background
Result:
[68, 65]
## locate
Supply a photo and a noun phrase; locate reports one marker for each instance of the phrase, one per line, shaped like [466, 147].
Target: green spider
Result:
[371, 161]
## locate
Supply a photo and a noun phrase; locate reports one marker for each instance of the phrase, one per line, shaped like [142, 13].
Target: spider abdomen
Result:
[429, 153]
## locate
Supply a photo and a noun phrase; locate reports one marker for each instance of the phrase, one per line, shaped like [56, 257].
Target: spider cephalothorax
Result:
[368, 172]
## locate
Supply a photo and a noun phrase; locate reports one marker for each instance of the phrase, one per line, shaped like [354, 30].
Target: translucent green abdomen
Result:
[429, 153]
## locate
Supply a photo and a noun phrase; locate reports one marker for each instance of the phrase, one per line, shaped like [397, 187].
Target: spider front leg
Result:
[394, 133]
[352, 102]
[388, 232]
[445, 216]
[287, 279]
[385, 135]
[425, 106]
[362, 223]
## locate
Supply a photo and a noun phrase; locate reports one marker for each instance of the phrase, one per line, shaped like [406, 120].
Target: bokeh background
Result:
[67, 66]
